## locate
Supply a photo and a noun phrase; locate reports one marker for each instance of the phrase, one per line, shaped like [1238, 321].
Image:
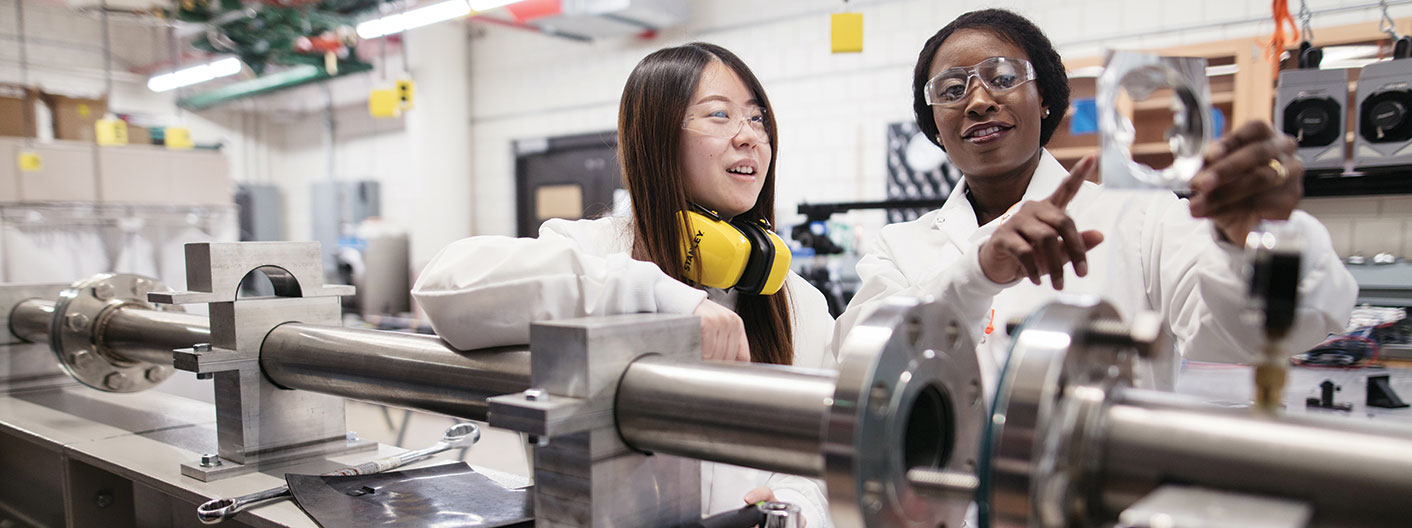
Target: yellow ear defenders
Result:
[742, 254]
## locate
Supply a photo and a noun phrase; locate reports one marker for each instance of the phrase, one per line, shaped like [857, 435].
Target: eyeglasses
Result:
[998, 74]
[725, 120]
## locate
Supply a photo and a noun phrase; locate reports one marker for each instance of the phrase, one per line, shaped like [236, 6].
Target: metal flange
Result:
[80, 316]
[909, 382]
[1061, 369]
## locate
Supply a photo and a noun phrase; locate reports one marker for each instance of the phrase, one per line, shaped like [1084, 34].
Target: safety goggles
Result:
[998, 74]
[725, 120]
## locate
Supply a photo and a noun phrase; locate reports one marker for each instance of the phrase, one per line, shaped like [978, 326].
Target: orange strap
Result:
[990, 325]
[1279, 40]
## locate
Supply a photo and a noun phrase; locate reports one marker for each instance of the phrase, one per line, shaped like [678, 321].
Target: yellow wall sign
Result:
[29, 161]
[846, 30]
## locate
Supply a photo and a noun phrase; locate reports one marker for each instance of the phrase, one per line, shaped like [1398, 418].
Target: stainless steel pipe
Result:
[748, 415]
[742, 414]
[31, 320]
[1353, 473]
[406, 370]
[127, 332]
[151, 335]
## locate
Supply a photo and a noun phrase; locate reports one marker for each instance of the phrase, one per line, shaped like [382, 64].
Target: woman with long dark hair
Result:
[696, 144]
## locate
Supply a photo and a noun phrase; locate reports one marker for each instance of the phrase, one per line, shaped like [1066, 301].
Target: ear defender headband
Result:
[742, 254]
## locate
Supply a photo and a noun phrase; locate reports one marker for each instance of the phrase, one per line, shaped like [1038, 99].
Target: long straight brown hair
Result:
[649, 148]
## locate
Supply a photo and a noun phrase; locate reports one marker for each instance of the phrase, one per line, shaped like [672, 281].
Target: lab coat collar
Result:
[958, 218]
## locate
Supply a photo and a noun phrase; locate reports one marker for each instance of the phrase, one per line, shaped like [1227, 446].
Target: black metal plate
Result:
[444, 496]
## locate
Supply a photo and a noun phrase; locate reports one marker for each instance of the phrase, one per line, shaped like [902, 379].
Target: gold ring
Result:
[1281, 173]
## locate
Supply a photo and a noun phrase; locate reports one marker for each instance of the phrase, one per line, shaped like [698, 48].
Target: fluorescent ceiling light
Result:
[1225, 69]
[487, 5]
[415, 18]
[1350, 56]
[1091, 72]
[1347, 64]
[1341, 53]
[194, 75]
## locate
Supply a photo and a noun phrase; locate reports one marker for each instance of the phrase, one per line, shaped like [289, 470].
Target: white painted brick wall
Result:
[1367, 225]
[833, 109]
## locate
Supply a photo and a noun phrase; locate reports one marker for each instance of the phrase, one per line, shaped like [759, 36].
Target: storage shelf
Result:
[1387, 180]
[1140, 149]
[1165, 102]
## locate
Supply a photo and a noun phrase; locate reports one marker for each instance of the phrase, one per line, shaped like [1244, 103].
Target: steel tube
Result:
[742, 414]
[151, 335]
[30, 320]
[1353, 472]
[406, 370]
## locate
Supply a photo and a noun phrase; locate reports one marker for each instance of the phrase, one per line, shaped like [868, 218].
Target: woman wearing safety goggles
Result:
[696, 143]
[990, 89]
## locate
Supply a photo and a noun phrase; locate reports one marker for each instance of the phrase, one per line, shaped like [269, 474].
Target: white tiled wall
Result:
[65, 56]
[1367, 225]
[519, 84]
[832, 109]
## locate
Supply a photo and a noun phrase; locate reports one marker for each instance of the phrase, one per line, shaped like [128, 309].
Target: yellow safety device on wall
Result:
[405, 90]
[177, 138]
[110, 131]
[391, 102]
[384, 103]
[742, 254]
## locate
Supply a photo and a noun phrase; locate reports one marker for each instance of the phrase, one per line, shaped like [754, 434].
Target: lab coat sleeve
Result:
[813, 325]
[1199, 282]
[485, 291]
[808, 494]
[962, 285]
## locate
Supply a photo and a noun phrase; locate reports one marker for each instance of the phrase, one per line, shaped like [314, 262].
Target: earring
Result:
[1046, 112]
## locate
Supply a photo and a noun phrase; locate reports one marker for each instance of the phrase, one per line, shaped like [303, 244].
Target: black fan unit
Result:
[1386, 117]
[1314, 122]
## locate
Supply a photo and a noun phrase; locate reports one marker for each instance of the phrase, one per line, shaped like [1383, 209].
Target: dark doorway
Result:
[564, 177]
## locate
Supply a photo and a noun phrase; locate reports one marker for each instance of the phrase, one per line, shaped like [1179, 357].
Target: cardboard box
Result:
[17, 112]
[74, 116]
[137, 135]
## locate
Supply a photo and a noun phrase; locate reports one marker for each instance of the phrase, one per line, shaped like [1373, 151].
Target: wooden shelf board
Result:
[1140, 149]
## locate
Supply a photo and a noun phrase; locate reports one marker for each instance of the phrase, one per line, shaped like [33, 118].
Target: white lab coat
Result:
[1154, 256]
[485, 291]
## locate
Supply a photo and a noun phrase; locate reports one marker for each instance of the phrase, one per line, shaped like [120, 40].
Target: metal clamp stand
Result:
[257, 422]
[587, 476]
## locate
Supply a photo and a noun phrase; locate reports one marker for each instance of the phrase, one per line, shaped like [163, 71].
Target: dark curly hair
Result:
[1050, 76]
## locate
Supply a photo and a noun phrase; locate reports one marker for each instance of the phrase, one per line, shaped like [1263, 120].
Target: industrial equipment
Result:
[899, 433]
[607, 391]
[1072, 443]
[1383, 115]
[1310, 105]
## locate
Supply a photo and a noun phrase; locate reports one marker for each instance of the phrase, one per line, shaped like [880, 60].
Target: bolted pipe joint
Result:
[1143, 333]
[107, 335]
